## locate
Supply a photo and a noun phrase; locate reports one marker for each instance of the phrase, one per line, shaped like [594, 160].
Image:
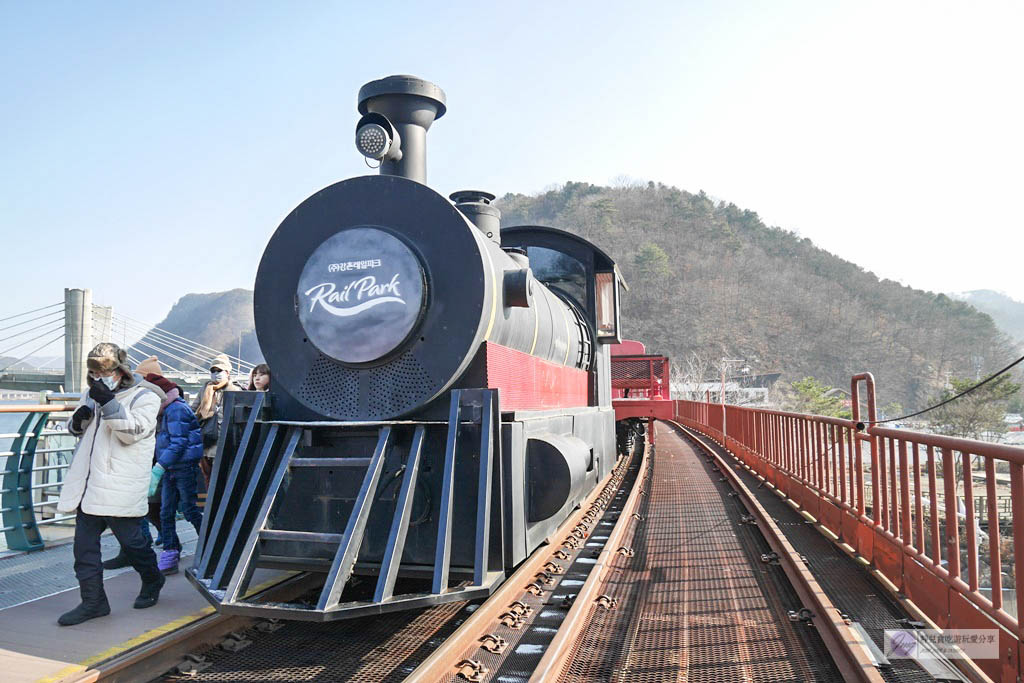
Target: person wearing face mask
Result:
[209, 409]
[108, 479]
[259, 378]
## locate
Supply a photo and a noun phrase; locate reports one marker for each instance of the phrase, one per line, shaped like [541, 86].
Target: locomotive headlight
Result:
[377, 138]
[373, 141]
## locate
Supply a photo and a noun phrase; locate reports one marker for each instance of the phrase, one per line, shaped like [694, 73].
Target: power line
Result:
[51, 314]
[29, 354]
[952, 398]
[35, 310]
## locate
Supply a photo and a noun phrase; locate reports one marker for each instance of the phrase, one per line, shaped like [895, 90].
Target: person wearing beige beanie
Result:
[150, 365]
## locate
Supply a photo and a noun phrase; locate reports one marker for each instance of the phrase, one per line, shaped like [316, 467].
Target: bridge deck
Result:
[694, 603]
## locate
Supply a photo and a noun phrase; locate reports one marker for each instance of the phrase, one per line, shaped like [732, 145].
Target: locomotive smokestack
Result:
[397, 112]
[476, 206]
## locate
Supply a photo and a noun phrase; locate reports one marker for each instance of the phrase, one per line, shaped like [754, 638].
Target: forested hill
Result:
[219, 320]
[1008, 313]
[710, 280]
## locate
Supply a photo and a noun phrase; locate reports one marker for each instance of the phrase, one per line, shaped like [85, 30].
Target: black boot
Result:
[94, 603]
[121, 560]
[150, 592]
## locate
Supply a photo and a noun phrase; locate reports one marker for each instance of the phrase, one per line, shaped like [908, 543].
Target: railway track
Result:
[658, 576]
[376, 648]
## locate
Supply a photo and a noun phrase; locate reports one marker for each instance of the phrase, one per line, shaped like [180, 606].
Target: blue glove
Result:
[154, 478]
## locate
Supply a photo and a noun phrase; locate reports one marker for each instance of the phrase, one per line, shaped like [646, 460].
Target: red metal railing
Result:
[640, 376]
[903, 500]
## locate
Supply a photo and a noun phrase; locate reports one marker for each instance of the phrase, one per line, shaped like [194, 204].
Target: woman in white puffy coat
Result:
[109, 476]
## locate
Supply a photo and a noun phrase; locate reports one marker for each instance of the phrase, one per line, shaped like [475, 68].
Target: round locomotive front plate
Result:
[360, 294]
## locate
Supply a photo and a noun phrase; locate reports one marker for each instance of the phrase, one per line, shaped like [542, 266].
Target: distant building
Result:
[735, 393]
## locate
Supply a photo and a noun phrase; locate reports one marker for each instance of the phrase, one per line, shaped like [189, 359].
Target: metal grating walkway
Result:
[695, 603]
[852, 589]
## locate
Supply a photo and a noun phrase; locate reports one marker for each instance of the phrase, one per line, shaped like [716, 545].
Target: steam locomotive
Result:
[441, 398]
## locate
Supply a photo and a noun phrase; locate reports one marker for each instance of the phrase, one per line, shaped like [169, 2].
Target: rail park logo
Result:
[362, 294]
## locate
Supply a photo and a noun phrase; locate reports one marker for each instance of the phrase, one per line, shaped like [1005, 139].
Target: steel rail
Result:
[444, 659]
[560, 646]
[844, 644]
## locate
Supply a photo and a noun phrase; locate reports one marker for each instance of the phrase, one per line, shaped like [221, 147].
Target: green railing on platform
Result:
[24, 480]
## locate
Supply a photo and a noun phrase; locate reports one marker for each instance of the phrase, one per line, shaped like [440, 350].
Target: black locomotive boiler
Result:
[441, 398]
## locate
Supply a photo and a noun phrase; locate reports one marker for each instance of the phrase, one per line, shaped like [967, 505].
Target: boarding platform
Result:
[37, 587]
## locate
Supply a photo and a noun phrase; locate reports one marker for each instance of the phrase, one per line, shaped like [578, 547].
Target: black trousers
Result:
[88, 529]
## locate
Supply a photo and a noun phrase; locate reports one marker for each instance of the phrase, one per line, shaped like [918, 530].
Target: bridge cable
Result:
[53, 315]
[241, 361]
[35, 310]
[170, 343]
[181, 340]
[29, 354]
[48, 323]
[162, 349]
[29, 341]
[162, 346]
[135, 346]
[161, 341]
[951, 399]
[167, 339]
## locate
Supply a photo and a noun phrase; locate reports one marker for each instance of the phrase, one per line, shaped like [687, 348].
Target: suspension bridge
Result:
[79, 324]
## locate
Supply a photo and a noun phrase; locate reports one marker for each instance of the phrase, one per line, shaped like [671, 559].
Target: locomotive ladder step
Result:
[271, 449]
[330, 462]
[304, 536]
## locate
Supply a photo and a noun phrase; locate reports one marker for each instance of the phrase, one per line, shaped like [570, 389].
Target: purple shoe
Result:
[168, 562]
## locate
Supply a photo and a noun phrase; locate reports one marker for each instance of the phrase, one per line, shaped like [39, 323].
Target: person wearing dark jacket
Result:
[179, 446]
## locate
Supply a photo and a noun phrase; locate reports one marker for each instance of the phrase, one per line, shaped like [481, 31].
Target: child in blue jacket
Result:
[179, 446]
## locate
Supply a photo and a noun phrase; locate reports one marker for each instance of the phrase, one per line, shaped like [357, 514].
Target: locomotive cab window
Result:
[607, 307]
[560, 271]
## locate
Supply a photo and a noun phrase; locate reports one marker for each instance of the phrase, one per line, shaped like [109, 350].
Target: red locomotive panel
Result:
[530, 383]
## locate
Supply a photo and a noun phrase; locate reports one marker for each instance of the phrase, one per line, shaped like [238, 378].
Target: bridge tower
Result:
[77, 337]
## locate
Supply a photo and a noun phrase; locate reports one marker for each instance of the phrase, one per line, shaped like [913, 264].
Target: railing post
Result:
[19, 515]
[869, 381]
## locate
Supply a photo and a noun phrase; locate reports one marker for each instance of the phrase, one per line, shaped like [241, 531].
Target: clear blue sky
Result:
[149, 150]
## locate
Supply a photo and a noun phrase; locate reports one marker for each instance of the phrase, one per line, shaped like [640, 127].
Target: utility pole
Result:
[725, 364]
